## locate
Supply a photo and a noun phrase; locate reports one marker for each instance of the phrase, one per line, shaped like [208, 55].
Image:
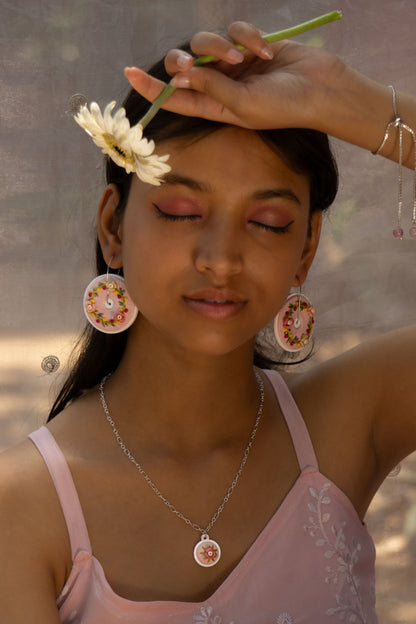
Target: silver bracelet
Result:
[401, 125]
[393, 124]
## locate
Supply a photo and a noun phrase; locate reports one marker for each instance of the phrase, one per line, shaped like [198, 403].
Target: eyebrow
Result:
[195, 185]
[285, 193]
[176, 179]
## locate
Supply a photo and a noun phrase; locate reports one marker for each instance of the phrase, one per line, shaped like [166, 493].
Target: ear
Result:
[311, 245]
[108, 227]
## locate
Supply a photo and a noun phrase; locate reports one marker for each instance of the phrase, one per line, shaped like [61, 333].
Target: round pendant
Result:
[207, 552]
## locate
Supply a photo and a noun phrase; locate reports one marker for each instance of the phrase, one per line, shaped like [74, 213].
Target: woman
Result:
[209, 258]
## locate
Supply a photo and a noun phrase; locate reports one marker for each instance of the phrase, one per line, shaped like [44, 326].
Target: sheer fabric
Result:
[51, 180]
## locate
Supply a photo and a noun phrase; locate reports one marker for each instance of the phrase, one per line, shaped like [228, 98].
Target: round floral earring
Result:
[293, 324]
[107, 304]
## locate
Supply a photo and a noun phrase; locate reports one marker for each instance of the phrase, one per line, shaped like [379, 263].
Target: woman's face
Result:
[210, 255]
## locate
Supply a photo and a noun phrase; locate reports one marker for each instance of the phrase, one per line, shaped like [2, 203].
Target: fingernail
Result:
[183, 60]
[234, 56]
[180, 81]
[266, 53]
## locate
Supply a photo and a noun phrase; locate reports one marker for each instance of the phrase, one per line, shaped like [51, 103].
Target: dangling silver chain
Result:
[156, 490]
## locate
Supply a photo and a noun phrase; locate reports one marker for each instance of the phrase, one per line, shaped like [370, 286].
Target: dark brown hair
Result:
[305, 151]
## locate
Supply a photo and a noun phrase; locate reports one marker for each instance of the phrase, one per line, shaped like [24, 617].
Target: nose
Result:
[218, 251]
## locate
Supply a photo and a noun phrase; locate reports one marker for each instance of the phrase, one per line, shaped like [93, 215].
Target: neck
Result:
[181, 399]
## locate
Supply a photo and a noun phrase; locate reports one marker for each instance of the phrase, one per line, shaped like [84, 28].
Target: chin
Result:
[218, 346]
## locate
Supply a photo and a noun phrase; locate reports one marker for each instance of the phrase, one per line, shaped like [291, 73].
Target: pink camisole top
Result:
[313, 563]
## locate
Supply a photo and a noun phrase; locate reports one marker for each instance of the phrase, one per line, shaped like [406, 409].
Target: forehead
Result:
[234, 161]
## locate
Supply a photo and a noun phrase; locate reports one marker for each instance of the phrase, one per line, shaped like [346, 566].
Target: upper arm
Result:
[393, 360]
[360, 410]
[382, 373]
[28, 571]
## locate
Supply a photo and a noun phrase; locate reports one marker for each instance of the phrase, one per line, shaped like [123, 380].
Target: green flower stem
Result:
[271, 38]
[283, 34]
[167, 91]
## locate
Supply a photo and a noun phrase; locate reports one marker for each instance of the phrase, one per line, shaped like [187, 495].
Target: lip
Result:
[215, 304]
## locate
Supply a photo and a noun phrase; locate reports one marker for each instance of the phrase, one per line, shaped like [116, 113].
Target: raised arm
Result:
[300, 86]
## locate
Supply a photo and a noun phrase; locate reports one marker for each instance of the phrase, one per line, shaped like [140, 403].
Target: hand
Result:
[293, 88]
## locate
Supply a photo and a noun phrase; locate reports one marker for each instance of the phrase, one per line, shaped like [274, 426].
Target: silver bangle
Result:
[401, 125]
[396, 123]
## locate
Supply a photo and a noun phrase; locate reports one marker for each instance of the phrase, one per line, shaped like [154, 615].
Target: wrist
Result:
[357, 109]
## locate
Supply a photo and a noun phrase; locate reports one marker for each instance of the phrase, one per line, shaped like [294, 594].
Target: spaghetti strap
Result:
[65, 488]
[294, 420]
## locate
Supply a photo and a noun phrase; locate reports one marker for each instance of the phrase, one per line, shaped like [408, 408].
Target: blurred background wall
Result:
[51, 178]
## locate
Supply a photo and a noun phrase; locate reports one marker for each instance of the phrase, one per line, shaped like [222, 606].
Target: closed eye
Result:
[273, 228]
[174, 217]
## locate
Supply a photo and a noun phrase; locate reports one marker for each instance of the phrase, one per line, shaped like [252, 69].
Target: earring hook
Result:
[297, 319]
[108, 269]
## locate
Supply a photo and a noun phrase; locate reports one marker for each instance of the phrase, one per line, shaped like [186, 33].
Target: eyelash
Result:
[269, 228]
[273, 228]
[171, 217]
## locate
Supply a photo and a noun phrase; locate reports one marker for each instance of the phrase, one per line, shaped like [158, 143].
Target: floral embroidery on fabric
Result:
[343, 557]
[207, 617]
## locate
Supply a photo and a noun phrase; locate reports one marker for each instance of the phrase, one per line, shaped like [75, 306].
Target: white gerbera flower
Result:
[125, 145]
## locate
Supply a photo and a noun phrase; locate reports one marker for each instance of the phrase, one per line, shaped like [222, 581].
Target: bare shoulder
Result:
[368, 393]
[24, 487]
[380, 366]
[33, 538]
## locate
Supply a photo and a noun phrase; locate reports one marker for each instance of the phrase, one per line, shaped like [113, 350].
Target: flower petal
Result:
[125, 145]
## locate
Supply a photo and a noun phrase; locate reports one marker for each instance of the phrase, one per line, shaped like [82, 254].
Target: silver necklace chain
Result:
[154, 487]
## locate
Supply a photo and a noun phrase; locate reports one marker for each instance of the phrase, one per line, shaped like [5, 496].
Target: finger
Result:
[220, 88]
[149, 87]
[178, 60]
[248, 36]
[210, 44]
[183, 102]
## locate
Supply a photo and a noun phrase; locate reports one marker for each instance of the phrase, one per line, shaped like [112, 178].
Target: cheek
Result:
[151, 263]
[274, 275]
[278, 262]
